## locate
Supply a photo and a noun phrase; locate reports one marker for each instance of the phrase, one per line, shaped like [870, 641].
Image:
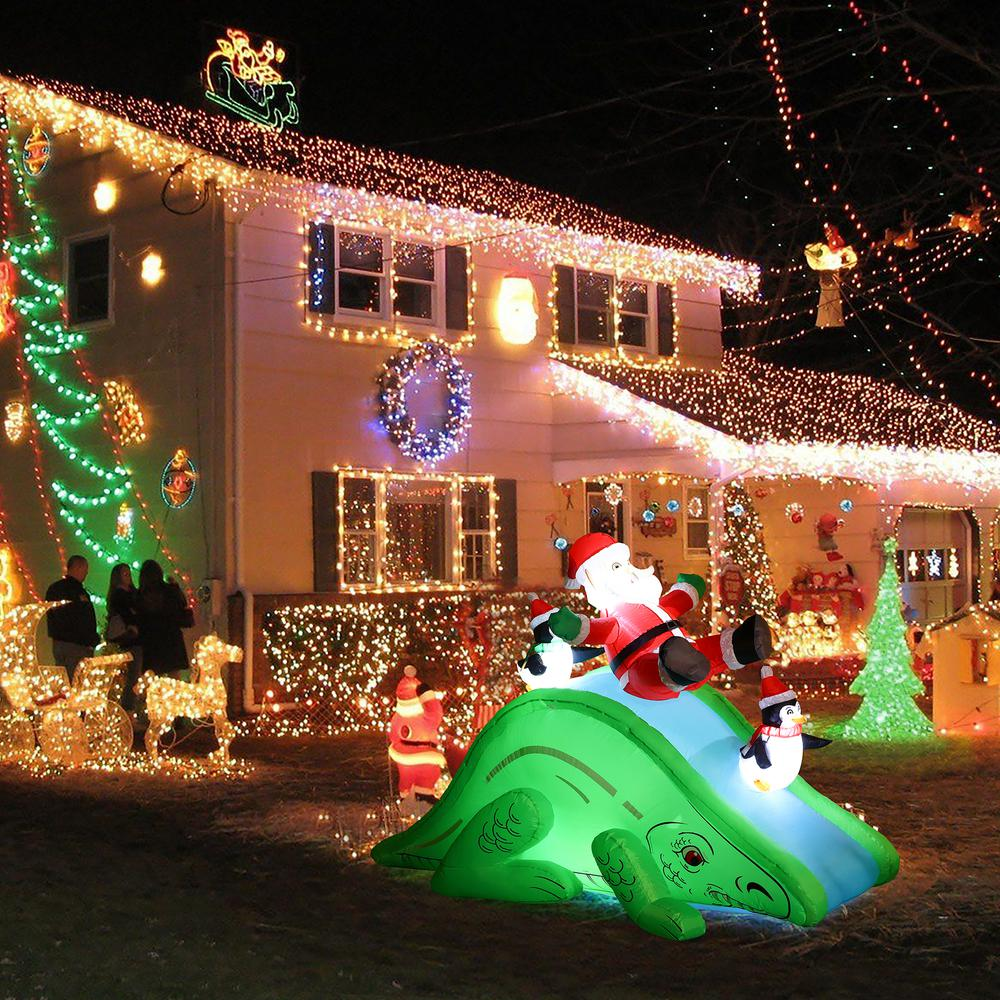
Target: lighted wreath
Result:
[425, 445]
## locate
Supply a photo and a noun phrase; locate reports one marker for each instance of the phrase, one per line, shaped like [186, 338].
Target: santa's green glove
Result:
[693, 580]
[566, 625]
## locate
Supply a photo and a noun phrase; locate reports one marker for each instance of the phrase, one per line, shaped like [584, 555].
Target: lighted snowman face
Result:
[517, 315]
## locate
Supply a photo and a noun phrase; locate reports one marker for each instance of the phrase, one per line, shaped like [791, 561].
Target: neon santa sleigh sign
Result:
[248, 82]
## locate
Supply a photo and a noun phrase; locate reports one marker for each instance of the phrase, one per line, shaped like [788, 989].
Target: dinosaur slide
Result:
[588, 788]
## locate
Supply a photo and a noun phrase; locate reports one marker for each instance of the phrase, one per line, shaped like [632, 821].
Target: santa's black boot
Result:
[681, 664]
[752, 641]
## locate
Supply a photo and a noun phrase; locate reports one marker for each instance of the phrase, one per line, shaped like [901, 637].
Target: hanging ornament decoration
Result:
[614, 493]
[562, 544]
[179, 481]
[15, 421]
[124, 524]
[795, 512]
[425, 445]
[673, 506]
[649, 515]
[567, 491]
[36, 151]
[830, 259]
[127, 412]
[847, 505]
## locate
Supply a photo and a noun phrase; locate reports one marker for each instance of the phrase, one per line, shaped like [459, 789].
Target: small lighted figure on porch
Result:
[414, 732]
[648, 650]
[827, 526]
[773, 755]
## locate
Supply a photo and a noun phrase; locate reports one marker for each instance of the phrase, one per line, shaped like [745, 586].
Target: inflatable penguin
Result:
[550, 661]
[773, 756]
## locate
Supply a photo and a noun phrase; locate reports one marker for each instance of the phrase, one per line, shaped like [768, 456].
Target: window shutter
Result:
[456, 288]
[664, 320]
[506, 491]
[566, 305]
[325, 490]
[322, 268]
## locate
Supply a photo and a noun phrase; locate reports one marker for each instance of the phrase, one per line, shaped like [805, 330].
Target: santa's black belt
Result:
[641, 640]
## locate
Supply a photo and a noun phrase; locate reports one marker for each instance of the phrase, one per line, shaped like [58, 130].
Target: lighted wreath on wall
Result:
[425, 445]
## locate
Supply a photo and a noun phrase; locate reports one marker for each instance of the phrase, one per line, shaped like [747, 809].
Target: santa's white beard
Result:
[643, 588]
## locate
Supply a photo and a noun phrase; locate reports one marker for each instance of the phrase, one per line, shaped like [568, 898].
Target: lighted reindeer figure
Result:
[204, 697]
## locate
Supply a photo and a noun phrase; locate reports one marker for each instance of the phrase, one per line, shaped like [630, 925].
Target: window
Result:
[633, 313]
[696, 520]
[602, 515]
[934, 561]
[88, 279]
[411, 531]
[349, 274]
[586, 313]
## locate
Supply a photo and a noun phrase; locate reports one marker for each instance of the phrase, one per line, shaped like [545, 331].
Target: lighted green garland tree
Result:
[887, 682]
[744, 546]
[64, 406]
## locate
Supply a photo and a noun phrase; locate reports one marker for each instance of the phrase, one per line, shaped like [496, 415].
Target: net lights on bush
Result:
[433, 444]
[771, 421]
[376, 189]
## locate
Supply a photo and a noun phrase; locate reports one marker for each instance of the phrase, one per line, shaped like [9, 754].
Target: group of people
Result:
[146, 621]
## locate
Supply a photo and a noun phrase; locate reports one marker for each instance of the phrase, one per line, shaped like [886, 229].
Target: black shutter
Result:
[506, 491]
[566, 305]
[664, 320]
[325, 490]
[456, 288]
[322, 273]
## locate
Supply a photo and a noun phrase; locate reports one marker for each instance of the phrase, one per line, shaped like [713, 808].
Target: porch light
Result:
[152, 268]
[105, 196]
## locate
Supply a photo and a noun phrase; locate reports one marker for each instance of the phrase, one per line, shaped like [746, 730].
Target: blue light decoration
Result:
[430, 445]
[847, 506]
[247, 81]
[649, 515]
[673, 506]
[737, 509]
[562, 544]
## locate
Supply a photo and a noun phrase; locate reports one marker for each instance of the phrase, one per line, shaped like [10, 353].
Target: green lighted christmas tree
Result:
[887, 682]
[72, 433]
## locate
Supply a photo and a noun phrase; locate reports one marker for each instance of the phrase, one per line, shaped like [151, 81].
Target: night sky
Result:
[660, 111]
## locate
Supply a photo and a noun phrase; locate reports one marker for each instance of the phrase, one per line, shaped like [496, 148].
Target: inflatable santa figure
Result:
[651, 655]
[413, 737]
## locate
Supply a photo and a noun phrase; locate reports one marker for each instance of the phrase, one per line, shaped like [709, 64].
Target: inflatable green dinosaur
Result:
[569, 790]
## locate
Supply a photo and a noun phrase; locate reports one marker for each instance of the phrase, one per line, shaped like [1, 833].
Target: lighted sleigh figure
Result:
[74, 722]
[586, 787]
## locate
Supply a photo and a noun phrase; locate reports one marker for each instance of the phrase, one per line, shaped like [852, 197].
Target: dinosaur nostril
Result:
[759, 888]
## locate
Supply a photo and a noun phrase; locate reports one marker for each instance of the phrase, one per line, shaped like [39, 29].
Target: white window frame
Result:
[454, 533]
[691, 553]
[68, 243]
[487, 534]
[386, 278]
[966, 562]
[650, 345]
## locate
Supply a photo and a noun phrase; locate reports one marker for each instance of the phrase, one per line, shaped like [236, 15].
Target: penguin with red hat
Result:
[773, 755]
[650, 653]
[413, 738]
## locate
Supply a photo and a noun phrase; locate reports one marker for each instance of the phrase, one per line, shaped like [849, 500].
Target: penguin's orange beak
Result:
[797, 720]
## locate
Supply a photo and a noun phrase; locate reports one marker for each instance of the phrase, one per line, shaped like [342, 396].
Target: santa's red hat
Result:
[411, 694]
[773, 690]
[586, 548]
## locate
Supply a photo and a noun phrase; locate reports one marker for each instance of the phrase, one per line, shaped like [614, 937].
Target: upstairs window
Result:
[352, 273]
[88, 279]
[586, 311]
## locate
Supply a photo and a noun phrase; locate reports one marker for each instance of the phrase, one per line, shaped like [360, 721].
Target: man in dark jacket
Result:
[72, 626]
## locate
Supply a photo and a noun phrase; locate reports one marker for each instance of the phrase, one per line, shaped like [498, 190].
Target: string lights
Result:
[769, 420]
[126, 411]
[316, 177]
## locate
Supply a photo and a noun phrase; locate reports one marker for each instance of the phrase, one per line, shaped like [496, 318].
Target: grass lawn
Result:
[115, 887]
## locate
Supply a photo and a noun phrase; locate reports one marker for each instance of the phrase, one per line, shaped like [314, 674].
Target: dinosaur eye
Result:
[693, 857]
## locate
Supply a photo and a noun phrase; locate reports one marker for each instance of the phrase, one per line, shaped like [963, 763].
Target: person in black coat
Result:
[162, 612]
[73, 626]
[123, 626]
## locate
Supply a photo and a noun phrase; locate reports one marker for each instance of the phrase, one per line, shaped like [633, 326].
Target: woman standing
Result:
[162, 612]
[123, 627]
